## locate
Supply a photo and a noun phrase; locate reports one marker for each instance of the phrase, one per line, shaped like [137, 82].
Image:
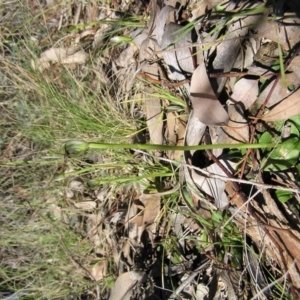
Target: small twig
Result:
[164, 83]
[228, 74]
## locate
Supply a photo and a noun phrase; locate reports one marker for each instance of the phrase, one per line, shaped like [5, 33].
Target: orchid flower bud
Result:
[75, 147]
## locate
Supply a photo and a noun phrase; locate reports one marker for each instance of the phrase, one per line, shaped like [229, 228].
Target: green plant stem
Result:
[78, 147]
[168, 147]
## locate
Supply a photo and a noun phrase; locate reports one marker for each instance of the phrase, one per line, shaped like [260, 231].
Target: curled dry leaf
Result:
[206, 105]
[286, 109]
[134, 222]
[194, 132]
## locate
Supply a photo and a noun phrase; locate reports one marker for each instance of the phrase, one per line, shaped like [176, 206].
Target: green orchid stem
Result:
[78, 147]
[168, 147]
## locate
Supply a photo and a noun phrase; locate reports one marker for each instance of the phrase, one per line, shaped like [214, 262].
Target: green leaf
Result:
[288, 150]
[296, 121]
[216, 217]
[110, 281]
[203, 238]
[284, 156]
[283, 196]
[294, 131]
[278, 165]
[266, 136]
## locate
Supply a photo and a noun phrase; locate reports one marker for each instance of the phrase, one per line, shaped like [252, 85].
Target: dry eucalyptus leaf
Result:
[194, 132]
[134, 222]
[206, 105]
[280, 91]
[201, 7]
[168, 36]
[86, 205]
[153, 110]
[98, 270]
[57, 54]
[286, 109]
[63, 55]
[287, 36]
[137, 220]
[212, 186]
[124, 284]
[237, 130]
[245, 91]
[228, 50]
[79, 58]
[175, 132]
[295, 66]
[152, 208]
[171, 128]
[126, 57]
[245, 57]
[196, 181]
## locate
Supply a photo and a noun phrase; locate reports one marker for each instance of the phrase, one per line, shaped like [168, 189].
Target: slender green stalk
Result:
[76, 147]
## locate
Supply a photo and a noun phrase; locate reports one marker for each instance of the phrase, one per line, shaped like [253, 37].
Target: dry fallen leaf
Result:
[62, 55]
[79, 57]
[237, 130]
[206, 105]
[175, 132]
[168, 36]
[98, 270]
[194, 132]
[153, 110]
[280, 91]
[229, 48]
[245, 91]
[152, 208]
[287, 108]
[124, 284]
[272, 30]
[86, 205]
[213, 186]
